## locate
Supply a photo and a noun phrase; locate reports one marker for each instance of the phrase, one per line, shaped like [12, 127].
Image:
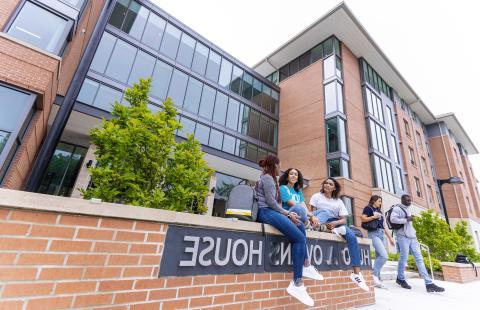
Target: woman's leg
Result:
[293, 233]
[380, 251]
[301, 211]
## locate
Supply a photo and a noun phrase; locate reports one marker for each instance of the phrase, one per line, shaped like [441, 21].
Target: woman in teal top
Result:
[291, 183]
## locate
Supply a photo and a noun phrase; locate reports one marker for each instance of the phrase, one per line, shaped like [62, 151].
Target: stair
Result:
[389, 272]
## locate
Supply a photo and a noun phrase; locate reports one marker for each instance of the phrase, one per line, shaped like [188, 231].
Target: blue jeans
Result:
[295, 234]
[352, 244]
[411, 245]
[301, 210]
[381, 256]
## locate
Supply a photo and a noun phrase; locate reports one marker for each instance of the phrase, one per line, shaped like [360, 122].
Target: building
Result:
[328, 101]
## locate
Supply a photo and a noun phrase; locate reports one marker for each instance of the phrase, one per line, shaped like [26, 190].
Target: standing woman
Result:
[377, 228]
[270, 211]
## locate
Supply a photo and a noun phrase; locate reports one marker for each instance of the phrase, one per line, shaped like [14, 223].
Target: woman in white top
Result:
[330, 210]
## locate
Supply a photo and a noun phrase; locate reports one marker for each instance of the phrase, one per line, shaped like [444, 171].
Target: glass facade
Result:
[225, 107]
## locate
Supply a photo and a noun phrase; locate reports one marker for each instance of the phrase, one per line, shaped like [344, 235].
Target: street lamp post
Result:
[451, 180]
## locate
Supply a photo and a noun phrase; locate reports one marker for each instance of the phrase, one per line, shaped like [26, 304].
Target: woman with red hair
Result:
[270, 211]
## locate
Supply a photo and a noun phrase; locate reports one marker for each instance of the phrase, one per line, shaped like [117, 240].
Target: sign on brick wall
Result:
[197, 251]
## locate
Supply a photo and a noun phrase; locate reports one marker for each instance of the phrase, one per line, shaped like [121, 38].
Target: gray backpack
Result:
[242, 203]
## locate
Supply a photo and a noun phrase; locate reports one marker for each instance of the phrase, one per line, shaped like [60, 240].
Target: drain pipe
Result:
[53, 135]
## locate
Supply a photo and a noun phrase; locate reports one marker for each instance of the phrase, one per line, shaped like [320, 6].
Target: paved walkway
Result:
[456, 296]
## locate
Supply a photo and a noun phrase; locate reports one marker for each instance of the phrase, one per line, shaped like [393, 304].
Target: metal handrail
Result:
[426, 248]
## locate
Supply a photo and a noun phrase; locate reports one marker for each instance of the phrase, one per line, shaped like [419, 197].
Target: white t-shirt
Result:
[325, 208]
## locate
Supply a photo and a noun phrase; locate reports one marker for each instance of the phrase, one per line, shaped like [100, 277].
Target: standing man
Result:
[407, 242]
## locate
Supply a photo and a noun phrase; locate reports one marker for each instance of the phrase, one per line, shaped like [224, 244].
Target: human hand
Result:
[315, 221]
[331, 225]
[376, 215]
[294, 217]
[410, 218]
[391, 241]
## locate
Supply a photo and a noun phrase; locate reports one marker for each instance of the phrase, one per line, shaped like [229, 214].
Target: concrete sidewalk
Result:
[456, 296]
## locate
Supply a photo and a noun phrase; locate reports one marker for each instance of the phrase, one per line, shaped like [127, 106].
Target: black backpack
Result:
[242, 203]
[393, 226]
[463, 259]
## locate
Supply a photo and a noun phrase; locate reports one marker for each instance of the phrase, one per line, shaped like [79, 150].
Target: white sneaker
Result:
[340, 231]
[358, 280]
[312, 273]
[300, 293]
[378, 283]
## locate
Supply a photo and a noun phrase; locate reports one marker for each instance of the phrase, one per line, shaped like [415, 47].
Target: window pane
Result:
[170, 42]
[142, 67]
[188, 127]
[329, 67]
[254, 124]
[213, 66]
[118, 13]
[339, 97]
[153, 33]
[228, 144]
[342, 135]
[207, 102]
[236, 79]
[394, 149]
[225, 73]
[160, 80]
[186, 49]
[192, 97]
[293, 66]
[390, 118]
[232, 115]
[399, 178]
[330, 98]
[257, 92]
[102, 55]
[243, 119]
[251, 152]
[247, 86]
[40, 28]
[216, 139]
[177, 88]
[317, 52]
[261, 154]
[12, 106]
[3, 139]
[266, 97]
[273, 133]
[338, 67]
[328, 47]
[284, 72]
[304, 60]
[274, 105]
[332, 135]
[265, 129]
[345, 170]
[106, 96]
[88, 91]
[200, 58]
[220, 112]
[202, 133]
[334, 168]
[241, 148]
[135, 20]
[121, 61]
[378, 172]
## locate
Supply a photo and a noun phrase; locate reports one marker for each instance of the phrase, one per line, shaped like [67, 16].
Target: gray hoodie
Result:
[398, 217]
[267, 192]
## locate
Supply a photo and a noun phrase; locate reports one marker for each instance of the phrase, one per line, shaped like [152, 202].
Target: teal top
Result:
[289, 193]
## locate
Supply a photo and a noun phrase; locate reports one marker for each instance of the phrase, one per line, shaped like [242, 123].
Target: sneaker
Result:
[300, 293]
[312, 273]
[339, 231]
[358, 280]
[433, 288]
[404, 284]
[378, 283]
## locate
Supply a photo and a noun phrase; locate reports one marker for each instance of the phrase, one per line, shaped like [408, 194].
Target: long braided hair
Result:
[268, 166]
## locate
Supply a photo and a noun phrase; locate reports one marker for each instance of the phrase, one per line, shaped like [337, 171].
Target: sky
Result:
[435, 45]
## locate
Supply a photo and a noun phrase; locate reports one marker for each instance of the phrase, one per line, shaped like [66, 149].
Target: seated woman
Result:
[330, 210]
[271, 212]
[291, 184]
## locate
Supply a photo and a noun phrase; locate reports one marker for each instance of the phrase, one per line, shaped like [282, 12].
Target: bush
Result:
[435, 263]
[394, 256]
[139, 161]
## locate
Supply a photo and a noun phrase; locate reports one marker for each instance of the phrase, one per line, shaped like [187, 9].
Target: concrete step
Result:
[389, 272]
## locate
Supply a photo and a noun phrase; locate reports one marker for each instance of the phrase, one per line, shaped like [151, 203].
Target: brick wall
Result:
[51, 260]
[459, 273]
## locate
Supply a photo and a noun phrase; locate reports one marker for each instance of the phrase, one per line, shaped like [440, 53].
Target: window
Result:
[16, 109]
[390, 119]
[265, 127]
[131, 20]
[192, 96]
[102, 55]
[41, 28]
[170, 41]
[152, 36]
[200, 58]
[224, 186]
[228, 144]
[378, 138]
[253, 124]
[382, 174]
[177, 88]
[232, 115]
[348, 202]
[213, 66]
[247, 86]
[237, 74]
[333, 97]
[257, 92]
[207, 102]
[78, 4]
[424, 164]
[142, 67]
[329, 69]
[399, 179]
[216, 139]
[105, 98]
[304, 60]
[266, 97]
[161, 79]
[411, 156]
[394, 149]
[430, 194]
[186, 50]
[374, 105]
[202, 133]
[220, 112]
[419, 140]
[274, 106]
[336, 168]
[252, 152]
[188, 127]
[407, 127]
[62, 171]
[121, 61]
[225, 73]
[417, 187]
[336, 139]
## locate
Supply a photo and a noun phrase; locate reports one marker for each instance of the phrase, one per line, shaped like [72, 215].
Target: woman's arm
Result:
[270, 195]
[387, 232]
[365, 218]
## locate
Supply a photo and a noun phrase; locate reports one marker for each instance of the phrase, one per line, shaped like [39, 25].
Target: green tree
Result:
[139, 161]
[466, 241]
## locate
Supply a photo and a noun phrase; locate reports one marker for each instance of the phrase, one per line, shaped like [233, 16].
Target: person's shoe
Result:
[378, 283]
[339, 231]
[403, 284]
[300, 293]
[433, 288]
[358, 280]
[312, 273]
